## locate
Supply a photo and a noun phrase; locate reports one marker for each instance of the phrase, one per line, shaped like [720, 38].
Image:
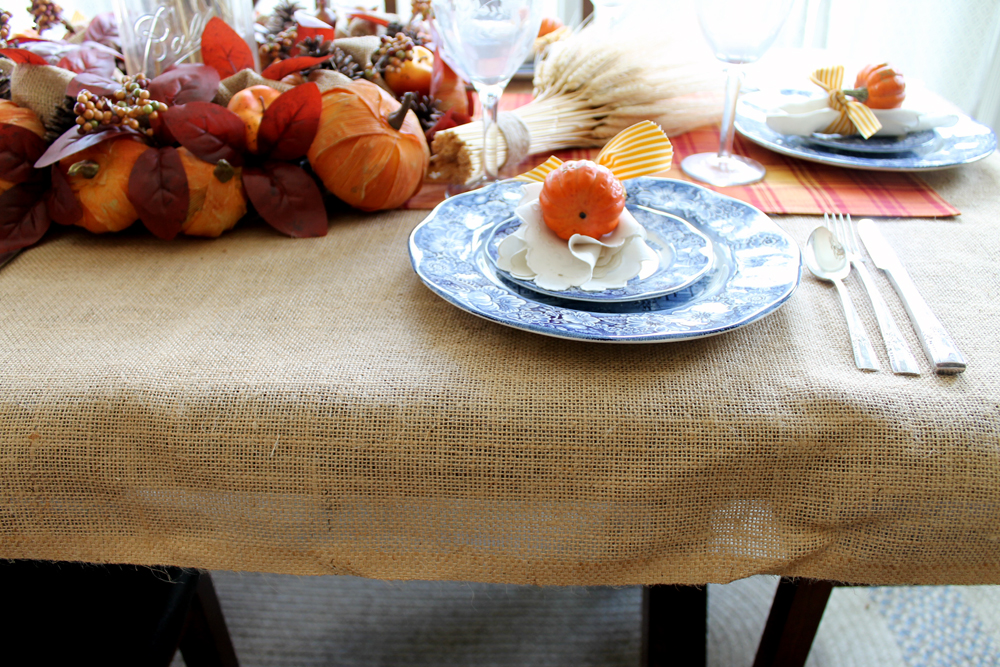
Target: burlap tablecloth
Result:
[308, 406]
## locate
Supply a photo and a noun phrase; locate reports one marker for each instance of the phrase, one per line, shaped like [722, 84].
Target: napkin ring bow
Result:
[854, 116]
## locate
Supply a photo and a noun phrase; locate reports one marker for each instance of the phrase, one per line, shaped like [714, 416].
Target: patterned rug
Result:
[278, 620]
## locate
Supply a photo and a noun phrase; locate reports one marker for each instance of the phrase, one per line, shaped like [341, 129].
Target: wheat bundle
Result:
[586, 92]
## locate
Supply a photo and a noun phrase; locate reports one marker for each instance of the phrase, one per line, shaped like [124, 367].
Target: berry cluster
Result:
[393, 52]
[47, 15]
[4, 27]
[422, 7]
[131, 107]
[278, 46]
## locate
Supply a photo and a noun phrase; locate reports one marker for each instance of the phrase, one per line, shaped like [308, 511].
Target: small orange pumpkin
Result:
[249, 104]
[99, 176]
[369, 151]
[412, 75]
[879, 87]
[217, 197]
[11, 114]
[581, 197]
[549, 24]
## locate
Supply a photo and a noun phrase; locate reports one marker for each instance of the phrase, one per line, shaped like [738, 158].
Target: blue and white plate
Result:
[755, 269]
[683, 255]
[858, 144]
[966, 141]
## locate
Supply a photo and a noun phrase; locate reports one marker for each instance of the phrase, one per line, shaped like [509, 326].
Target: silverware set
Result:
[831, 253]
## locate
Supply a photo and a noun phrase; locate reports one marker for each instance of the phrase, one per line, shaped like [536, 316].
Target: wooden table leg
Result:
[206, 641]
[674, 626]
[792, 624]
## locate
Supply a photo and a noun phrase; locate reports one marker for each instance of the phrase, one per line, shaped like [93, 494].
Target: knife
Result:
[938, 345]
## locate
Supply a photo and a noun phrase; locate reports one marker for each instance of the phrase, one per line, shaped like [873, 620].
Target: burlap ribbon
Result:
[854, 116]
[639, 150]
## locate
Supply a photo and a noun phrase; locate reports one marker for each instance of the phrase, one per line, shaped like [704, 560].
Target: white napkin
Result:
[804, 118]
[534, 252]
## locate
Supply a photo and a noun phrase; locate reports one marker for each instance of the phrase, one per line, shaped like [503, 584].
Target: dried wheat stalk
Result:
[586, 92]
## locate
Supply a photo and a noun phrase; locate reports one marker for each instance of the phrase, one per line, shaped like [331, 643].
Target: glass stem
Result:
[489, 99]
[734, 79]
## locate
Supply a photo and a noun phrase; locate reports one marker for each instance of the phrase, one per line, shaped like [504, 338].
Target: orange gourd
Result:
[549, 24]
[879, 87]
[411, 75]
[217, 197]
[581, 197]
[99, 177]
[11, 114]
[361, 157]
[249, 104]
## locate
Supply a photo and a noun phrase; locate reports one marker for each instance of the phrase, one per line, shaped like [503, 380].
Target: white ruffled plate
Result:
[683, 253]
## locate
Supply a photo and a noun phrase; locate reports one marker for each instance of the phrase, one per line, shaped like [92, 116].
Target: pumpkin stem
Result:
[85, 168]
[396, 117]
[860, 94]
[224, 171]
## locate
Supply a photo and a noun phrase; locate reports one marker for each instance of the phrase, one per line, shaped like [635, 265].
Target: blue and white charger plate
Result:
[755, 270]
[966, 141]
[683, 256]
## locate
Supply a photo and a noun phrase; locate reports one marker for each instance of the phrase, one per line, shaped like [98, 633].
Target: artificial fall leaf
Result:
[23, 57]
[62, 204]
[92, 58]
[279, 69]
[182, 84]
[310, 26]
[23, 216]
[223, 49]
[98, 84]
[289, 124]
[72, 142]
[20, 148]
[103, 29]
[287, 198]
[158, 189]
[450, 118]
[210, 131]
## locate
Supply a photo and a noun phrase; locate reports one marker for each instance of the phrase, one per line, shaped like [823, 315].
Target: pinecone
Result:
[393, 51]
[422, 7]
[340, 62]
[47, 15]
[283, 16]
[426, 108]
[4, 86]
[419, 38]
[63, 119]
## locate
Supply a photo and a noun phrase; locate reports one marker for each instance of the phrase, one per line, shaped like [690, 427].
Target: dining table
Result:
[311, 407]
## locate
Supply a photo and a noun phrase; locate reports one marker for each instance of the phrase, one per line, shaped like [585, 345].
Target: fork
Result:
[900, 357]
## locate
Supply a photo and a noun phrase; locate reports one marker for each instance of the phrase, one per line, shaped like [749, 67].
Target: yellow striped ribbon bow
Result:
[639, 150]
[854, 116]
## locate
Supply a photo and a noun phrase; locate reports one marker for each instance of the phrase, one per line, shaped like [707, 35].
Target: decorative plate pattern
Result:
[964, 142]
[685, 255]
[756, 268]
[858, 144]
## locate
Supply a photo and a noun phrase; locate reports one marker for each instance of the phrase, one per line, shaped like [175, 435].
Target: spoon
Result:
[827, 260]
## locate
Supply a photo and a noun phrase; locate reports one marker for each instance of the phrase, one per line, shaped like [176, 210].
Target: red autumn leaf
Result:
[62, 204]
[72, 142]
[223, 49]
[449, 119]
[103, 29]
[98, 84]
[23, 216]
[289, 125]
[210, 131]
[19, 150]
[308, 25]
[185, 83]
[92, 58]
[278, 70]
[22, 56]
[158, 188]
[287, 198]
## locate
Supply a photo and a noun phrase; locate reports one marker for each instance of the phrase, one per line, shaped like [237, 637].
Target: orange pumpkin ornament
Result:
[217, 197]
[581, 197]
[249, 104]
[99, 177]
[370, 151]
[879, 87]
[11, 114]
[412, 75]
[549, 24]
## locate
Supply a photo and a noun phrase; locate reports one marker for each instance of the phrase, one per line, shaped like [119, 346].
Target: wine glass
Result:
[739, 32]
[485, 41]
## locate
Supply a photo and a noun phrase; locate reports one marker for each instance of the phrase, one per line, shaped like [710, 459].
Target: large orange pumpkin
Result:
[581, 197]
[879, 87]
[11, 114]
[99, 176]
[359, 156]
[217, 197]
